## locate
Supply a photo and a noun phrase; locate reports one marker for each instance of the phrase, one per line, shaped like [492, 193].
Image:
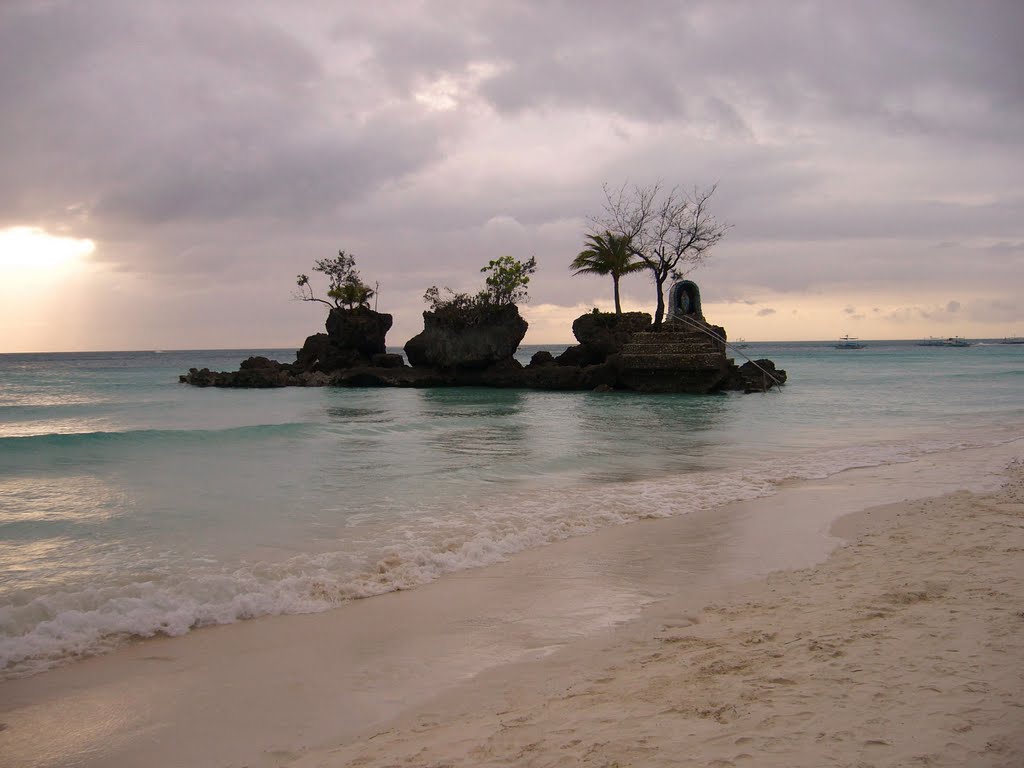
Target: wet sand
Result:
[725, 638]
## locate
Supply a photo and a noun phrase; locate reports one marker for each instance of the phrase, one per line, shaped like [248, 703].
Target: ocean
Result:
[132, 505]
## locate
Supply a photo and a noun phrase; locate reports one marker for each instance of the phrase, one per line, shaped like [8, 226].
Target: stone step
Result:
[661, 362]
[670, 347]
[672, 338]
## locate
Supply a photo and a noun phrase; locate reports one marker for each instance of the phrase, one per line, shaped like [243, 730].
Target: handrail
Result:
[704, 329]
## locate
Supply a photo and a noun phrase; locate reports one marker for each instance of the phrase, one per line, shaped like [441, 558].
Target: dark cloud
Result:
[858, 147]
[144, 115]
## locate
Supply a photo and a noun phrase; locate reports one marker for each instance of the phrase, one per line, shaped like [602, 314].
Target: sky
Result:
[169, 166]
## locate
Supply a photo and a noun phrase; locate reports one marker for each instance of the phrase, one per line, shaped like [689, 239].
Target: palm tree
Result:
[607, 254]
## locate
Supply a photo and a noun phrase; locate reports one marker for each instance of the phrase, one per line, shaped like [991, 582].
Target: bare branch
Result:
[669, 231]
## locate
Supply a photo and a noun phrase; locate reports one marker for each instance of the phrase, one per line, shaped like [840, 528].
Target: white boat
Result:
[849, 342]
[956, 341]
[952, 341]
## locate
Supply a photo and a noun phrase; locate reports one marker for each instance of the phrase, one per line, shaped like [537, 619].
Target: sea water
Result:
[132, 505]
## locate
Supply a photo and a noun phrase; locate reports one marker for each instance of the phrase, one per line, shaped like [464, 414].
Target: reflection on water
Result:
[472, 429]
[460, 402]
[76, 498]
[354, 413]
[482, 442]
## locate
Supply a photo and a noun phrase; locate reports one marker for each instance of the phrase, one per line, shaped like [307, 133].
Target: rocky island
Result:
[614, 352]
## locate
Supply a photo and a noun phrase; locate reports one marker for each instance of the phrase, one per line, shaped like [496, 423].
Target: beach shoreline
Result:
[643, 645]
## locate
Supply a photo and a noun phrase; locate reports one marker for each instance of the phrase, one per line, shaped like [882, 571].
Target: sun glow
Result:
[36, 265]
[31, 250]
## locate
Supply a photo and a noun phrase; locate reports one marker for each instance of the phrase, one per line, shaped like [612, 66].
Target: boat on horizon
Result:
[849, 342]
[1013, 340]
[951, 341]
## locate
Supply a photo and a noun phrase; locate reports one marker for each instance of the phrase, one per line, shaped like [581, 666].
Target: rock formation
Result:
[623, 352]
[602, 334]
[450, 343]
[353, 337]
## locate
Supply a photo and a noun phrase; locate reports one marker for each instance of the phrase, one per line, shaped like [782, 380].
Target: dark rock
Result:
[542, 358]
[553, 377]
[259, 362]
[606, 330]
[353, 337]
[446, 344]
[602, 334]
[573, 356]
[387, 360]
[755, 376]
[313, 351]
[255, 373]
[505, 373]
[198, 377]
[391, 377]
[311, 379]
[603, 375]
[257, 378]
[360, 329]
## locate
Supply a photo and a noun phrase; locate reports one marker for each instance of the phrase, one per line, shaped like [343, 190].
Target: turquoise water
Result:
[131, 505]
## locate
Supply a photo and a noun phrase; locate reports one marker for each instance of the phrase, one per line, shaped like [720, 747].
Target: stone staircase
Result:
[681, 357]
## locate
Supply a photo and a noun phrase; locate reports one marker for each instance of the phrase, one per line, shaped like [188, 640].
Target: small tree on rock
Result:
[344, 286]
[607, 254]
[508, 278]
[505, 285]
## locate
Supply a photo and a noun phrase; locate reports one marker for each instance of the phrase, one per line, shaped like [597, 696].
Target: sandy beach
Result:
[748, 636]
[905, 648]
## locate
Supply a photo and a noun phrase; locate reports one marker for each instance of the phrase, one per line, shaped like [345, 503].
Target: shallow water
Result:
[131, 505]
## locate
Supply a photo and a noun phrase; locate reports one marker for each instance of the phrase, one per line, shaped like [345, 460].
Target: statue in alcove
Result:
[684, 301]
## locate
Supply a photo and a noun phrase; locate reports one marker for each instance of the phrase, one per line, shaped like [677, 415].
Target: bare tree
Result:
[670, 231]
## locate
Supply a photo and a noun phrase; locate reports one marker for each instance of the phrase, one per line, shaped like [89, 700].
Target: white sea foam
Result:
[37, 632]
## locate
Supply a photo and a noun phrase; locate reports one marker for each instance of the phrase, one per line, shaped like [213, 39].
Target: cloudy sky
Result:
[170, 165]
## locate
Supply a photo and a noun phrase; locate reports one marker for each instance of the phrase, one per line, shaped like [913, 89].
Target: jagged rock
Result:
[542, 358]
[755, 376]
[254, 373]
[314, 349]
[446, 343]
[353, 337]
[387, 360]
[360, 329]
[259, 362]
[197, 377]
[553, 377]
[602, 334]
[391, 377]
[504, 374]
[603, 375]
[573, 357]
[311, 379]
[608, 331]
